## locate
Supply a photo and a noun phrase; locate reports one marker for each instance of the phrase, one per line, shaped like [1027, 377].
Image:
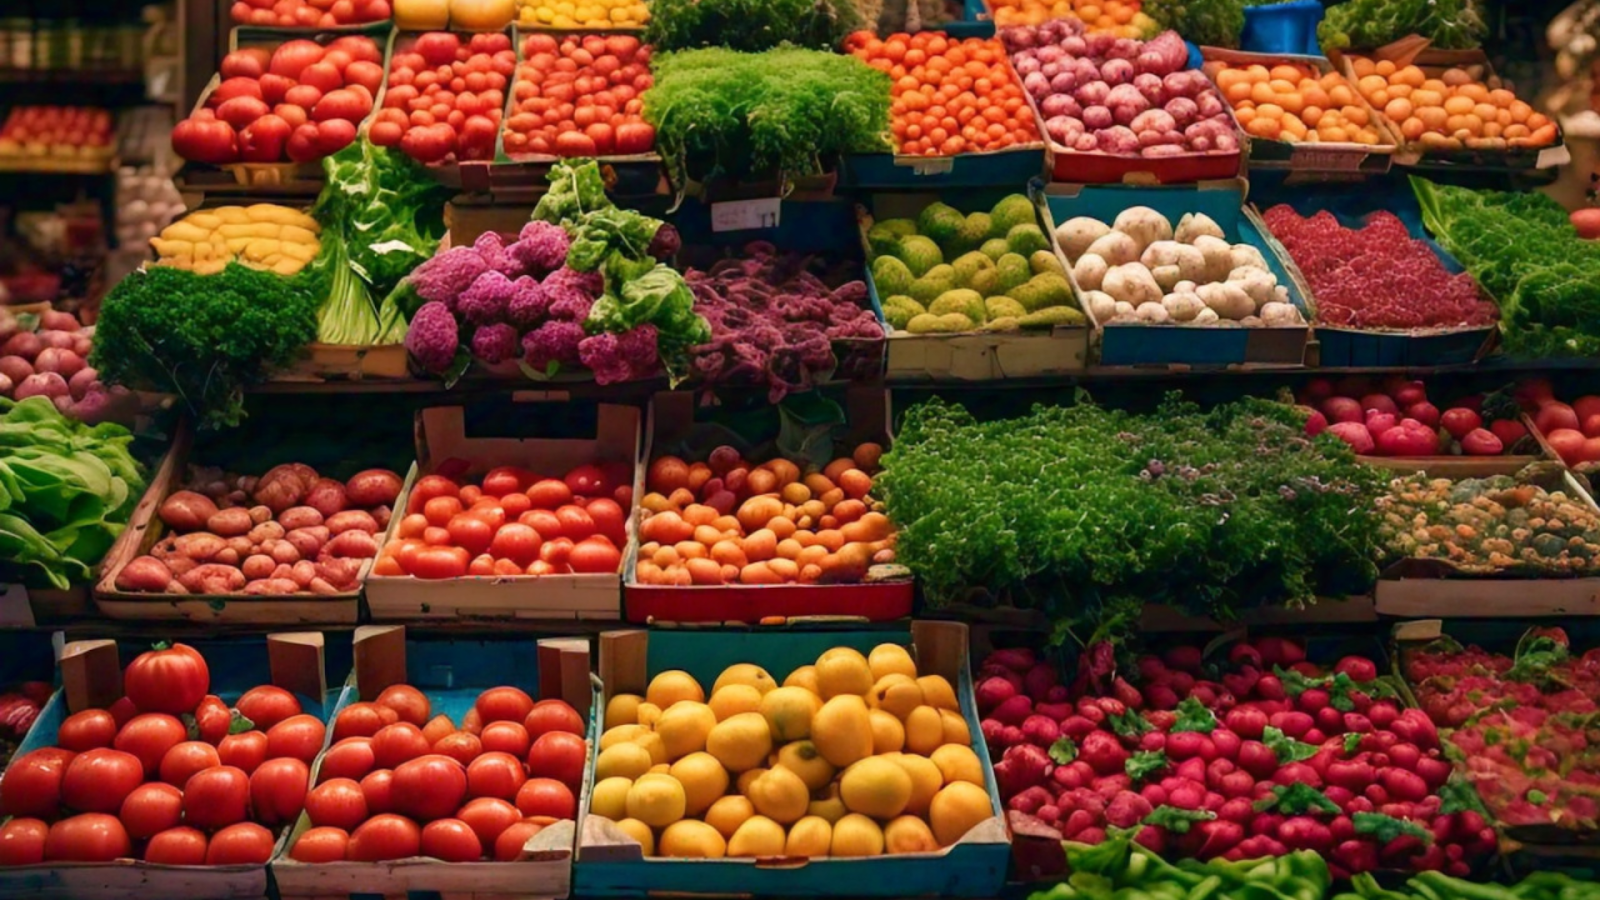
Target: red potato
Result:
[187, 511]
[144, 574]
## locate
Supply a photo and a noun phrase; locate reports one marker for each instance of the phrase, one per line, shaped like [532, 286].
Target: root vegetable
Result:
[1116, 247]
[308, 541]
[1218, 257]
[145, 574]
[1226, 300]
[259, 514]
[282, 551]
[266, 531]
[1190, 263]
[230, 522]
[25, 344]
[1257, 282]
[1279, 314]
[1183, 307]
[279, 493]
[1193, 225]
[1247, 256]
[353, 545]
[43, 384]
[1102, 306]
[352, 520]
[1132, 283]
[373, 487]
[326, 496]
[212, 579]
[16, 368]
[82, 382]
[1152, 312]
[61, 361]
[1144, 225]
[258, 567]
[1090, 271]
[303, 572]
[300, 517]
[199, 546]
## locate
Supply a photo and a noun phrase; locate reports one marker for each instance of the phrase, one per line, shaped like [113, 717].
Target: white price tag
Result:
[15, 610]
[744, 215]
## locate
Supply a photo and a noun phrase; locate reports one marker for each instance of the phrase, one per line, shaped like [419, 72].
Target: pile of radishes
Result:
[1572, 430]
[51, 360]
[1395, 418]
[1276, 754]
[1099, 93]
[289, 531]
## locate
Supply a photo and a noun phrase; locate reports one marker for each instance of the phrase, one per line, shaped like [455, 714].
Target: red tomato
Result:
[610, 520]
[22, 842]
[503, 704]
[299, 737]
[91, 837]
[359, 720]
[552, 715]
[321, 845]
[505, 479]
[471, 532]
[216, 797]
[385, 134]
[87, 730]
[168, 680]
[515, 504]
[549, 494]
[292, 58]
[99, 780]
[410, 704]
[213, 719]
[339, 803]
[558, 755]
[506, 737]
[427, 488]
[368, 75]
[149, 737]
[151, 809]
[546, 797]
[451, 840]
[185, 759]
[182, 846]
[516, 542]
[472, 723]
[429, 788]
[543, 521]
[278, 790]
[31, 785]
[268, 705]
[595, 555]
[378, 788]
[481, 566]
[489, 817]
[556, 552]
[385, 837]
[489, 510]
[244, 751]
[238, 845]
[576, 523]
[438, 728]
[441, 562]
[205, 140]
[508, 847]
[459, 746]
[586, 480]
[394, 744]
[440, 510]
[123, 711]
[495, 774]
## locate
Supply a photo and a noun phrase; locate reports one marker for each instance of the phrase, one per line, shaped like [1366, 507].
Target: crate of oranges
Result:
[1120, 18]
[1449, 108]
[1300, 113]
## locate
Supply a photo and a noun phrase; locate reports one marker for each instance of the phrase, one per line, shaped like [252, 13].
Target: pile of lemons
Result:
[853, 756]
[582, 13]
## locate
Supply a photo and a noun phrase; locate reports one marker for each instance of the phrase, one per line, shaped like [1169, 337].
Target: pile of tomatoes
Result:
[580, 97]
[445, 97]
[308, 13]
[515, 522]
[401, 781]
[133, 781]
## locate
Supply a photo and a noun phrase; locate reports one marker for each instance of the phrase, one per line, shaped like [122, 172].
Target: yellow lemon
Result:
[810, 836]
[842, 730]
[649, 715]
[703, 780]
[659, 769]
[924, 731]
[957, 762]
[888, 735]
[926, 779]
[640, 832]
[956, 809]
[627, 760]
[875, 787]
[895, 694]
[802, 758]
[656, 800]
[758, 836]
[747, 778]
[610, 798]
[803, 677]
[728, 813]
[683, 728]
[937, 693]
[746, 674]
[621, 734]
[788, 711]
[843, 670]
[888, 659]
[654, 745]
[955, 728]
[830, 808]
[856, 835]
[673, 685]
[779, 794]
[733, 699]
[740, 743]
[693, 840]
[623, 709]
[908, 834]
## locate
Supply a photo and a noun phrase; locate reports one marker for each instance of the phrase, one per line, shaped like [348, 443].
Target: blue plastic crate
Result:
[1282, 28]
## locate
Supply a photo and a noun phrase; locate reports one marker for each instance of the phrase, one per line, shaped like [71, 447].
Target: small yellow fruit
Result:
[747, 778]
[747, 674]
[728, 813]
[703, 780]
[673, 685]
[656, 800]
[856, 835]
[659, 769]
[841, 671]
[690, 839]
[830, 808]
[924, 731]
[888, 735]
[684, 727]
[958, 763]
[891, 658]
[908, 834]
[623, 709]
[740, 743]
[802, 758]
[640, 832]
[610, 798]
[627, 760]
[649, 715]
[875, 787]
[621, 734]
[926, 779]
[938, 693]
[811, 836]
[842, 730]
[803, 677]
[956, 809]
[779, 794]
[788, 711]
[955, 728]
[733, 699]
[758, 836]
[654, 745]
[896, 694]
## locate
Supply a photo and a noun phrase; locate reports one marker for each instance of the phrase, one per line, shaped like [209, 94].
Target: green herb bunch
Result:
[1524, 251]
[206, 337]
[1214, 23]
[1448, 24]
[1082, 511]
[749, 25]
[737, 114]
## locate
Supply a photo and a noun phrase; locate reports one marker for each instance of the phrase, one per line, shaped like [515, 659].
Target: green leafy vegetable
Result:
[1215, 23]
[749, 25]
[1063, 751]
[1352, 740]
[1448, 24]
[1286, 748]
[1387, 828]
[1536, 653]
[1129, 724]
[1145, 763]
[386, 208]
[1175, 820]
[1193, 716]
[1295, 799]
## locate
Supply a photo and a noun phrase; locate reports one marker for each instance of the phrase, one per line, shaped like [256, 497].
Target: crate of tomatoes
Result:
[300, 14]
[446, 774]
[443, 100]
[175, 777]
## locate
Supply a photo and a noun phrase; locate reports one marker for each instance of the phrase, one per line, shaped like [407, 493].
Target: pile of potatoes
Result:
[289, 531]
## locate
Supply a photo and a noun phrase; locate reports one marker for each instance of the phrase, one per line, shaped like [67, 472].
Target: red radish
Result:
[1409, 438]
[1567, 443]
[1554, 415]
[1380, 402]
[1342, 409]
[1359, 668]
[1424, 412]
[1379, 422]
[1316, 422]
[1479, 442]
[1353, 433]
[1458, 421]
[1411, 394]
[1509, 431]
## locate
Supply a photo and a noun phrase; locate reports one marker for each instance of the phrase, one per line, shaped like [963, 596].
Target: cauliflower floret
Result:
[665, 242]
[485, 302]
[621, 357]
[552, 342]
[541, 248]
[492, 247]
[433, 337]
[445, 276]
[528, 303]
[495, 343]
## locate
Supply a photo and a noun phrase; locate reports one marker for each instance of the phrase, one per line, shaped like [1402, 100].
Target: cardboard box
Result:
[610, 864]
[441, 437]
[672, 422]
[452, 672]
[91, 677]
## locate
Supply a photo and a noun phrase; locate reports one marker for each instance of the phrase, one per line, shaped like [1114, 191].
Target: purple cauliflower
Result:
[541, 248]
[495, 343]
[528, 303]
[552, 342]
[443, 278]
[665, 242]
[485, 302]
[629, 356]
[492, 247]
[433, 337]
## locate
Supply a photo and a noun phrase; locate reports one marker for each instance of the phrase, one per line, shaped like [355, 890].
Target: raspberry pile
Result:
[1377, 276]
